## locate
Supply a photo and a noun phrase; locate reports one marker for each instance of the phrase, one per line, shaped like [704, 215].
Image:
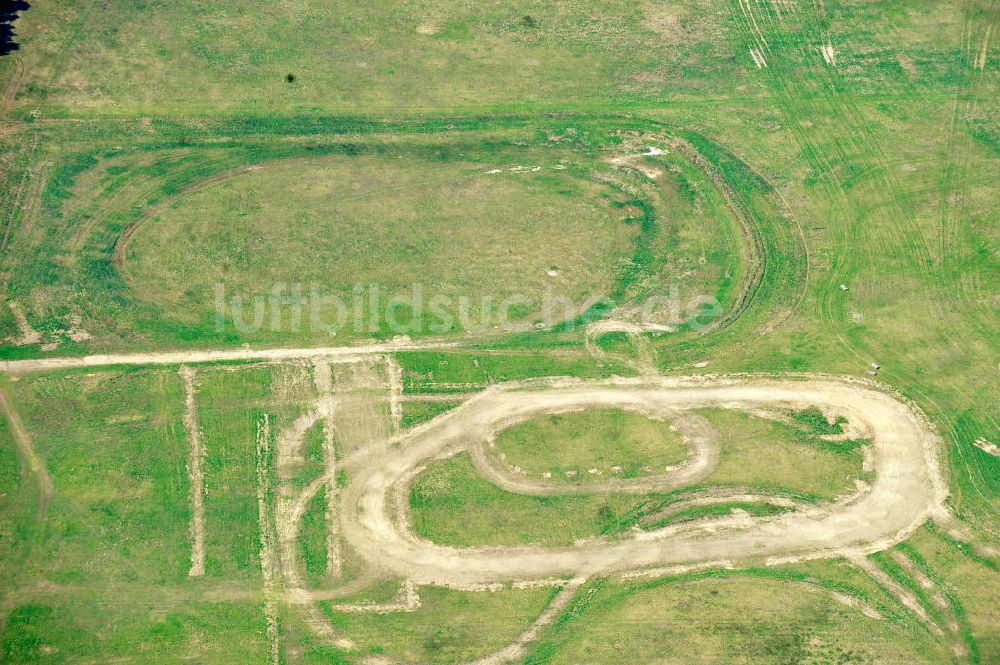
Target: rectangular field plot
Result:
[231, 405]
[114, 445]
[118, 452]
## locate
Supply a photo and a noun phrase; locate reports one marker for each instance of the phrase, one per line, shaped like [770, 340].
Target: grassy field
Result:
[179, 239]
[771, 455]
[451, 626]
[828, 175]
[733, 619]
[611, 441]
[323, 224]
[453, 505]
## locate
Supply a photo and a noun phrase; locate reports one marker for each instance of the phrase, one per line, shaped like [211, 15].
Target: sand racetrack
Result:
[908, 487]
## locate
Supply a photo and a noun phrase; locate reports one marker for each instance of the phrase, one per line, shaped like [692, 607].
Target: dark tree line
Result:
[8, 14]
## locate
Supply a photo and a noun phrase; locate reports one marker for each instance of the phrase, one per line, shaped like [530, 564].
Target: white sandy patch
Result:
[829, 55]
[987, 447]
[984, 49]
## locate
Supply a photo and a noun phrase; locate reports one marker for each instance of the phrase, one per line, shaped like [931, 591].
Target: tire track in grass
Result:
[937, 597]
[954, 190]
[31, 459]
[874, 238]
[905, 597]
[15, 82]
[517, 650]
[828, 179]
[18, 193]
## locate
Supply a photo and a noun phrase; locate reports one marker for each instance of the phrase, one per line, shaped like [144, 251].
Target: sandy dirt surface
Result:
[216, 355]
[908, 488]
[196, 455]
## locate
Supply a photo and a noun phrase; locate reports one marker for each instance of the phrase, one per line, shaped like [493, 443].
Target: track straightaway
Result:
[908, 488]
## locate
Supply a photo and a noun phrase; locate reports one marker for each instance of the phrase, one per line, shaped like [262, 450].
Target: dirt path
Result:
[268, 563]
[196, 455]
[24, 445]
[364, 415]
[908, 488]
[395, 373]
[217, 355]
[516, 650]
[645, 358]
[324, 391]
[291, 503]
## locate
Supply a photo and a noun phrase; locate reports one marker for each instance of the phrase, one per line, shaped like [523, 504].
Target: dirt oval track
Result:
[908, 486]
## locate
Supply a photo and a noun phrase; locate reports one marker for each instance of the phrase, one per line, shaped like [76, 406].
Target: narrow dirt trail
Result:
[196, 457]
[268, 561]
[27, 449]
[217, 355]
[324, 390]
[517, 650]
[908, 488]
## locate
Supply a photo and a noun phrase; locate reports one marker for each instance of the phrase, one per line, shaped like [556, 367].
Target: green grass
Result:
[312, 540]
[415, 413]
[771, 455]
[815, 422]
[601, 439]
[453, 505]
[115, 447]
[450, 626]
[727, 618]
[85, 626]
